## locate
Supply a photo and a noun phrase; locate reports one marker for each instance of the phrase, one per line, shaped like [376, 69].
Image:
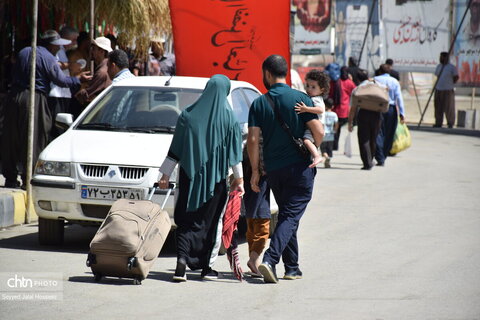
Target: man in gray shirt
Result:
[444, 100]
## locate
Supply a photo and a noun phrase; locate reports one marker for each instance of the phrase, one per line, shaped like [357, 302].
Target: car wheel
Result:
[50, 232]
[273, 222]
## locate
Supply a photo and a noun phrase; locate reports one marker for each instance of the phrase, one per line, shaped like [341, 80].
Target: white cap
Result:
[103, 43]
[52, 37]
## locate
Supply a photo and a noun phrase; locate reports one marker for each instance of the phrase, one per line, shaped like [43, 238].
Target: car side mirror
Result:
[63, 121]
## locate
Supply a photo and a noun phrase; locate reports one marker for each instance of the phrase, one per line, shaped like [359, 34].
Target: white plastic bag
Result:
[347, 150]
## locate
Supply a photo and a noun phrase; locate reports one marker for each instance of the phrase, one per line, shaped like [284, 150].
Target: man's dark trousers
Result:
[368, 126]
[386, 134]
[292, 187]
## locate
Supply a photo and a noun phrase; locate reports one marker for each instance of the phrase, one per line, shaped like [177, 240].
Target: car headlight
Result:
[53, 168]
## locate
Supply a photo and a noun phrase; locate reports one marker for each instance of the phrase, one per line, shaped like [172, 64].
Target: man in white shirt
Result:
[59, 98]
[444, 100]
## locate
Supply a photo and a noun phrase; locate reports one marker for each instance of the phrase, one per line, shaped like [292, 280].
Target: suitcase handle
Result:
[171, 186]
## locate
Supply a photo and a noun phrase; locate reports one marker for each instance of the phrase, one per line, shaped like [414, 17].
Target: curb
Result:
[13, 208]
[455, 131]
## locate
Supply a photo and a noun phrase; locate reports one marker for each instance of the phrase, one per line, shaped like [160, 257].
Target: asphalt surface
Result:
[397, 242]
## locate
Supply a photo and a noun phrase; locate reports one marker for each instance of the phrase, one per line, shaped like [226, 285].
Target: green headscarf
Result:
[207, 141]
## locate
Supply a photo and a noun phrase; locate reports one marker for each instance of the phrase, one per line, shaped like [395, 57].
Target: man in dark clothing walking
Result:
[14, 147]
[288, 172]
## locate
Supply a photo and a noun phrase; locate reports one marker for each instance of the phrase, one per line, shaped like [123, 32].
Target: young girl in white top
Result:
[317, 84]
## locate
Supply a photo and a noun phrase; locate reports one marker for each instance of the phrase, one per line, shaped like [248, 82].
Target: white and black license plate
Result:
[110, 193]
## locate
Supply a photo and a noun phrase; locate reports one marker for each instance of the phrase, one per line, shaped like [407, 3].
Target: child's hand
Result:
[301, 107]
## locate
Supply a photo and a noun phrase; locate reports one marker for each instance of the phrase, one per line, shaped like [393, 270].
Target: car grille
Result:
[94, 171]
[99, 171]
[132, 173]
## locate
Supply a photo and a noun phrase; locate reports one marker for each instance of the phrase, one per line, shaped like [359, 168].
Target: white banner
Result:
[415, 32]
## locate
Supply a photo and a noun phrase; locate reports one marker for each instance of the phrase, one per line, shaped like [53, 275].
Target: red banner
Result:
[231, 37]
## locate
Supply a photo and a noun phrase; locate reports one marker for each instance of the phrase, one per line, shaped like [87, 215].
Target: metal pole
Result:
[443, 66]
[416, 94]
[31, 115]
[473, 98]
[92, 31]
[366, 32]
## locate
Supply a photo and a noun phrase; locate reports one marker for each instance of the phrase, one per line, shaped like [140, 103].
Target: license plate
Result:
[111, 193]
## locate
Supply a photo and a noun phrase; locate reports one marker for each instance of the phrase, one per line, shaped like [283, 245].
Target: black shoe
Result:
[381, 164]
[180, 275]
[209, 274]
[437, 126]
[450, 126]
[268, 272]
[293, 275]
[366, 168]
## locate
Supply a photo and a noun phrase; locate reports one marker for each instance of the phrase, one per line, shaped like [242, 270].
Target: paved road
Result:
[398, 242]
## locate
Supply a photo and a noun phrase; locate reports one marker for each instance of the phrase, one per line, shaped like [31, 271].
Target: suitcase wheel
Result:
[132, 262]
[137, 282]
[91, 259]
[97, 277]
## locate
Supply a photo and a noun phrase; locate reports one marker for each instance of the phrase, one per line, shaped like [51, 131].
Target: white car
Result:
[114, 149]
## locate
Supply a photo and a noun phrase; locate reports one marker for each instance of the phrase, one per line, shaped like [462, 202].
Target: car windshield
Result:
[139, 109]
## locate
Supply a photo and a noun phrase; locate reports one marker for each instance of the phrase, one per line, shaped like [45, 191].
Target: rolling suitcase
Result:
[129, 239]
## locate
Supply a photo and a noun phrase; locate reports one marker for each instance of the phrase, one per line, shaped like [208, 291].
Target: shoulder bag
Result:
[298, 142]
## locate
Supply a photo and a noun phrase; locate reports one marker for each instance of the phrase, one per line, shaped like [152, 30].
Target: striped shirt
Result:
[122, 74]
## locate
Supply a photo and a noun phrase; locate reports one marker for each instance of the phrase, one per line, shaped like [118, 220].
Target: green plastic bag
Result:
[402, 139]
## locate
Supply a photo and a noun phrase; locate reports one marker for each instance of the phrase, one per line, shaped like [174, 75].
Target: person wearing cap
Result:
[48, 71]
[100, 49]
[165, 61]
[59, 98]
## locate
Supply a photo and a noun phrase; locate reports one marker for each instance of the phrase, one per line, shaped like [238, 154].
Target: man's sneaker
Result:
[293, 275]
[268, 272]
[180, 271]
[209, 274]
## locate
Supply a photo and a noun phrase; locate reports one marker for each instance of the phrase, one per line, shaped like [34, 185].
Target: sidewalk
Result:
[414, 109]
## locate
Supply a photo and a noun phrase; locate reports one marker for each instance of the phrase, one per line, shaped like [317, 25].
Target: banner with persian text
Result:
[467, 44]
[231, 37]
[351, 23]
[312, 24]
[416, 31]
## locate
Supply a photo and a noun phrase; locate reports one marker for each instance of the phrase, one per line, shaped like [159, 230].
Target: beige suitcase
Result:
[129, 239]
[371, 96]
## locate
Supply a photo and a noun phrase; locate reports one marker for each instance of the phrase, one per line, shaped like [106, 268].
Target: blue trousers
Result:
[389, 121]
[292, 187]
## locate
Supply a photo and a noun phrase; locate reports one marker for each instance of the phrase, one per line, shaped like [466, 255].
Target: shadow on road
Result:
[77, 240]
[88, 279]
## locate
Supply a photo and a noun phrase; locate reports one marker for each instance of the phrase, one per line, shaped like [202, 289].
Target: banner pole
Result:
[473, 98]
[443, 66]
[416, 94]
[31, 116]
[366, 32]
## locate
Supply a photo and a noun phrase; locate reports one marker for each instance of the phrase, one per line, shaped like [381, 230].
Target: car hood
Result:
[97, 147]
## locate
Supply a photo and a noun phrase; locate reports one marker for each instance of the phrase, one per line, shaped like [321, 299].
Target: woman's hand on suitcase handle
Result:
[163, 182]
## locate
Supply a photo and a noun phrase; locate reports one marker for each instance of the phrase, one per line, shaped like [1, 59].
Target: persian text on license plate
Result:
[110, 193]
